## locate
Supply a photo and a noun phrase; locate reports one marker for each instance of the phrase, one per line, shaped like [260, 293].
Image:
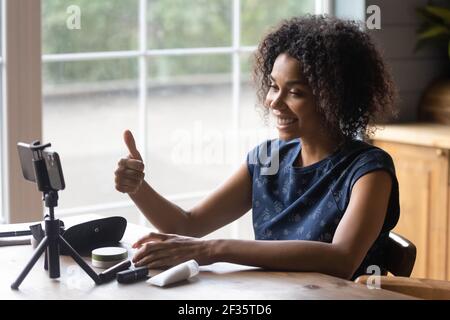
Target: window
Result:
[175, 72]
[90, 95]
[178, 77]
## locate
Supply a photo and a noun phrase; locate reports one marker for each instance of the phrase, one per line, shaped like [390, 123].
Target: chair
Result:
[401, 255]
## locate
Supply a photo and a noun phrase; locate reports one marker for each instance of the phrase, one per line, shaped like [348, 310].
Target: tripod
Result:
[50, 243]
[44, 168]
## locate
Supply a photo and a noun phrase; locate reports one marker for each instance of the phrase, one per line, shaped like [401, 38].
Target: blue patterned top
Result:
[307, 203]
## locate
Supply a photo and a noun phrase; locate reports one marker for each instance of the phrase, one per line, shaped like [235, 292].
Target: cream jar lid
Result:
[108, 256]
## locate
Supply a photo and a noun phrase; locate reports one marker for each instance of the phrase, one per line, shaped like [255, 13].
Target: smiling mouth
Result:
[285, 122]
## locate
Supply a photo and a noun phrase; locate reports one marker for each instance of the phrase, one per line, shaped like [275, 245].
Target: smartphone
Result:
[26, 157]
[54, 169]
[52, 165]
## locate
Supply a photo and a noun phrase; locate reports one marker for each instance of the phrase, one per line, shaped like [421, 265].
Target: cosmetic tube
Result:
[180, 272]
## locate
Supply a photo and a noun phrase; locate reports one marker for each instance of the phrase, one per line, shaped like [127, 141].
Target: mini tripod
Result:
[51, 242]
[44, 175]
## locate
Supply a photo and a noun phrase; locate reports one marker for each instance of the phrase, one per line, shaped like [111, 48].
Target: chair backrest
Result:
[401, 255]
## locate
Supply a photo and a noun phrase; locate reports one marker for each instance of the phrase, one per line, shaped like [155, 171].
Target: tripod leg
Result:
[40, 249]
[80, 261]
[46, 261]
[53, 257]
[52, 231]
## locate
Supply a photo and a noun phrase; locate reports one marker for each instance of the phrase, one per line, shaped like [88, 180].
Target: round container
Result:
[108, 256]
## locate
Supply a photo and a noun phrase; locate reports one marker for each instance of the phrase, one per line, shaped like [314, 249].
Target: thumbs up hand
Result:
[129, 174]
[131, 144]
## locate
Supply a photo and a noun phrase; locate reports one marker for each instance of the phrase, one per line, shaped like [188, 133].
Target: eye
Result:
[273, 86]
[296, 93]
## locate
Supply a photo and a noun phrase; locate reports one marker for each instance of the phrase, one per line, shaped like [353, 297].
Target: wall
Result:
[412, 71]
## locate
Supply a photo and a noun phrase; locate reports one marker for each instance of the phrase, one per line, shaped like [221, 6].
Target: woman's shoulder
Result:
[358, 152]
[362, 158]
[365, 153]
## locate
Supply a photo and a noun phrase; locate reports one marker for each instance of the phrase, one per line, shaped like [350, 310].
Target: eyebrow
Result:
[291, 82]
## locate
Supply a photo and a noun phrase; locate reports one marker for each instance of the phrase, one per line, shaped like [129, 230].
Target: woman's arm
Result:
[357, 231]
[224, 205]
[354, 236]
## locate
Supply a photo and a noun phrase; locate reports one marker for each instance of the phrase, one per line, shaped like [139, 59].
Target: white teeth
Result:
[285, 121]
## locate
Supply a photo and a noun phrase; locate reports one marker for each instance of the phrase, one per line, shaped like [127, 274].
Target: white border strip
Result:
[236, 86]
[65, 57]
[105, 55]
[324, 7]
[143, 126]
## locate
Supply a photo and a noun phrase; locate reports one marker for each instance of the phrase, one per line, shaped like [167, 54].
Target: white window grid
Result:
[321, 6]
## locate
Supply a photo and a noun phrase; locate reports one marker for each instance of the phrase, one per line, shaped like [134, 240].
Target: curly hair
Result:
[349, 80]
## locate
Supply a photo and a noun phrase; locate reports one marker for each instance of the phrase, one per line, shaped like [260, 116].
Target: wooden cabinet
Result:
[421, 156]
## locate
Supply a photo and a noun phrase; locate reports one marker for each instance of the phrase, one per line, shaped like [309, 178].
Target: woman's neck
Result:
[317, 148]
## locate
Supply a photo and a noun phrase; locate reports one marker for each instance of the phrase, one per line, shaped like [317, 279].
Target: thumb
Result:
[131, 144]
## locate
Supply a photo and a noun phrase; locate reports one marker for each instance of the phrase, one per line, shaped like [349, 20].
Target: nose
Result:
[275, 101]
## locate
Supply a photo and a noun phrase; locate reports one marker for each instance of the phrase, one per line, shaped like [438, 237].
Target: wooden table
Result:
[216, 281]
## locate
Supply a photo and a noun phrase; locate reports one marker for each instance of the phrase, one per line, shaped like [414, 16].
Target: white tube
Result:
[180, 272]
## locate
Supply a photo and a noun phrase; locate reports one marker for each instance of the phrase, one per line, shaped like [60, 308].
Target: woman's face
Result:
[291, 100]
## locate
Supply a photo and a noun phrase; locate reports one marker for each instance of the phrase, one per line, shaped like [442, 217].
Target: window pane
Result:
[190, 122]
[87, 105]
[258, 15]
[189, 23]
[252, 125]
[104, 25]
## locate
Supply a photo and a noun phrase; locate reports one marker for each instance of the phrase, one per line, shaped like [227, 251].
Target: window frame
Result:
[13, 189]
[21, 105]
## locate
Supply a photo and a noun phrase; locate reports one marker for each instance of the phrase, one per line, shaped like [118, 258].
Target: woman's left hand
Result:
[160, 250]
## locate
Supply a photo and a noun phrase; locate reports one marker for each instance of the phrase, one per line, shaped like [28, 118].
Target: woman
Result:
[327, 198]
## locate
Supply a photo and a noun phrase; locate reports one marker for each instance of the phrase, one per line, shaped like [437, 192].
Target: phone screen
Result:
[52, 164]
